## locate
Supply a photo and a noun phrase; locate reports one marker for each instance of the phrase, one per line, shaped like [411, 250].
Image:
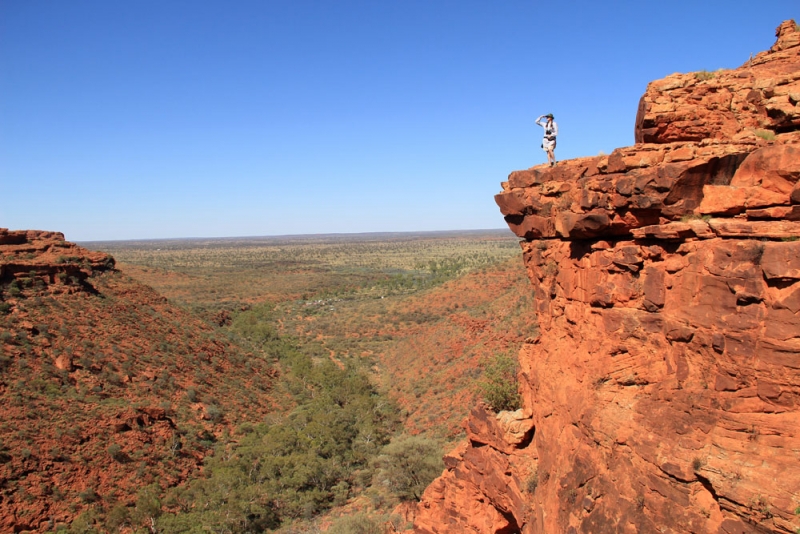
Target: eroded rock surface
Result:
[664, 390]
[47, 260]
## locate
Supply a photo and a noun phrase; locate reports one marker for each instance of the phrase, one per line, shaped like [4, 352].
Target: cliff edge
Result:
[663, 394]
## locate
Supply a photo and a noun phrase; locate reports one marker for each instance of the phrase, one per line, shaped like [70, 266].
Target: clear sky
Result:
[152, 118]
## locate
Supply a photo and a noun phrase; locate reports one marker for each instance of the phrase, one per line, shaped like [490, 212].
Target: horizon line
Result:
[285, 236]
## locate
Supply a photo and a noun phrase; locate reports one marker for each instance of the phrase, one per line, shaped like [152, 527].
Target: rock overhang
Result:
[709, 145]
[645, 186]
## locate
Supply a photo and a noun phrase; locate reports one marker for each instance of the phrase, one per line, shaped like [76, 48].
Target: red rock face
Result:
[726, 104]
[47, 258]
[664, 390]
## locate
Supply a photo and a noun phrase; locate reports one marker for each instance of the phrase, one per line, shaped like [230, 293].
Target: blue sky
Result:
[151, 119]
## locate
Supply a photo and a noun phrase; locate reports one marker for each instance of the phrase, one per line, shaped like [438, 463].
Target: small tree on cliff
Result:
[499, 384]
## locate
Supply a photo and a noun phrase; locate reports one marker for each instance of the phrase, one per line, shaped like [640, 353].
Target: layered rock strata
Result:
[663, 394]
[47, 260]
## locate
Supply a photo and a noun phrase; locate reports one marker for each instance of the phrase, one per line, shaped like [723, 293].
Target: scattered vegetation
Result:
[704, 75]
[192, 272]
[300, 466]
[427, 311]
[760, 504]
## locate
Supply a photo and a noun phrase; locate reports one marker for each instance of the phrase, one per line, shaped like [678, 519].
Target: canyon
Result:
[663, 390]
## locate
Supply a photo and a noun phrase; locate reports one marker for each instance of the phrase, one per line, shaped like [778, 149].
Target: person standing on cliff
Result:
[549, 140]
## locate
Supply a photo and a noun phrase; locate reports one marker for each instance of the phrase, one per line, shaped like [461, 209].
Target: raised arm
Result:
[539, 121]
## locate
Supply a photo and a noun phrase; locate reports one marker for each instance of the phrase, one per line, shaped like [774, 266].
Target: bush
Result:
[148, 504]
[499, 386]
[767, 135]
[408, 464]
[115, 451]
[88, 496]
[118, 517]
[214, 413]
[84, 523]
[13, 289]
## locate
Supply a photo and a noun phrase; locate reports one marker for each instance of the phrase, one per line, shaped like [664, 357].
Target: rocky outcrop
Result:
[726, 104]
[663, 394]
[45, 260]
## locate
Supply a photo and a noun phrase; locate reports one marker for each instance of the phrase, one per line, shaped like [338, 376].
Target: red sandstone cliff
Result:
[664, 392]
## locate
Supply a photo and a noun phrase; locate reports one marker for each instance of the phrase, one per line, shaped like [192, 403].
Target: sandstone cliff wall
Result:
[663, 394]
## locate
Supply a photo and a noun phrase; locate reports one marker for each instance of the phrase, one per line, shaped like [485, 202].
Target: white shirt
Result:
[551, 130]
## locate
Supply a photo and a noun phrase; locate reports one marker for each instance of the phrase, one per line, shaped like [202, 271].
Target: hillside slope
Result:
[663, 394]
[105, 387]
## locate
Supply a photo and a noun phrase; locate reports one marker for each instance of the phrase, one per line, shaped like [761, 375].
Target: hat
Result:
[549, 115]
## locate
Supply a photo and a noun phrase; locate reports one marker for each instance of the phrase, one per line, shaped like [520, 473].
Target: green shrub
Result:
[408, 464]
[499, 385]
[13, 289]
[704, 75]
[767, 135]
[115, 451]
[695, 217]
[118, 517]
[214, 413]
[84, 523]
[88, 495]
[148, 504]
